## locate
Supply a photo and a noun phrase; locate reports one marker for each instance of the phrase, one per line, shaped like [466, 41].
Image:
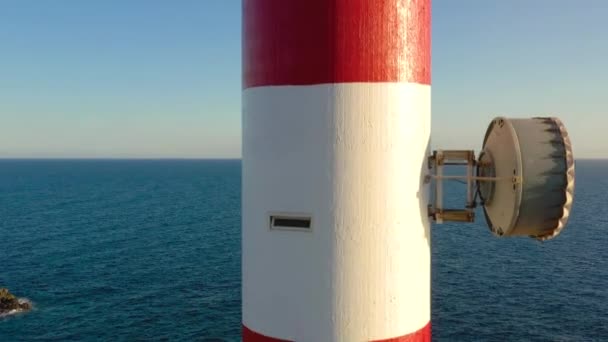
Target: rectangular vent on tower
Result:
[290, 222]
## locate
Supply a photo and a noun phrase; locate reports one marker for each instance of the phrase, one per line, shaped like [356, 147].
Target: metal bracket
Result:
[436, 163]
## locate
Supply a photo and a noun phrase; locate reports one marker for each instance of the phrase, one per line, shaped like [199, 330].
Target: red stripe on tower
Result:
[422, 335]
[251, 336]
[302, 42]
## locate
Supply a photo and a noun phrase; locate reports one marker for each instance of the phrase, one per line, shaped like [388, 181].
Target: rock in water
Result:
[9, 303]
[25, 305]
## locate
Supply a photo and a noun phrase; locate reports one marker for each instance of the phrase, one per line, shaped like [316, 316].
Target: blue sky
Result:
[152, 78]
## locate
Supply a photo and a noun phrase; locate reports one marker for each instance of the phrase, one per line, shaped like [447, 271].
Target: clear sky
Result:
[152, 78]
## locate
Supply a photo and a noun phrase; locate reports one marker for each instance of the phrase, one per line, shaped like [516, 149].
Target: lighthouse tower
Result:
[336, 128]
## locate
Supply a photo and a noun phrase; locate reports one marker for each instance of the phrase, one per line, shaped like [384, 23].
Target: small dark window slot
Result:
[290, 222]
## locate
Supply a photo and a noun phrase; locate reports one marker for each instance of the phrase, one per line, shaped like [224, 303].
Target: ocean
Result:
[124, 250]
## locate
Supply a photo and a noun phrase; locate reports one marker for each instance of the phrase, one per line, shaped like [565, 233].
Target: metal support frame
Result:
[436, 163]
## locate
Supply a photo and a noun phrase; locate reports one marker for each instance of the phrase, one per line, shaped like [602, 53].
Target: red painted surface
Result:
[422, 335]
[302, 42]
[251, 336]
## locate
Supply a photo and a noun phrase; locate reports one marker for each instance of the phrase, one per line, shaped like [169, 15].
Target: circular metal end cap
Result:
[533, 163]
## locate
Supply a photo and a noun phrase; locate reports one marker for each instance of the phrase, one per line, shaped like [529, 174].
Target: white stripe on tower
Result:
[336, 127]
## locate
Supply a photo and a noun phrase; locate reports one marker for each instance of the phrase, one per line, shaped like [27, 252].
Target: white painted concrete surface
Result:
[353, 157]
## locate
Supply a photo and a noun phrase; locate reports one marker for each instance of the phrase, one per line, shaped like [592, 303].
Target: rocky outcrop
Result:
[11, 304]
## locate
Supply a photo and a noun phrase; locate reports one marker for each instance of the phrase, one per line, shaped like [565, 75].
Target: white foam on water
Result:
[14, 312]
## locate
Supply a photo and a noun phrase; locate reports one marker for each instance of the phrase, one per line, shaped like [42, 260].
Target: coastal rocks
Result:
[10, 304]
